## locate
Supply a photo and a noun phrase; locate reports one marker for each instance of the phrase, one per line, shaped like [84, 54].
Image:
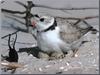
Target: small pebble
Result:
[91, 53]
[67, 64]
[97, 34]
[61, 68]
[76, 55]
[47, 66]
[26, 66]
[34, 45]
[31, 55]
[60, 60]
[40, 69]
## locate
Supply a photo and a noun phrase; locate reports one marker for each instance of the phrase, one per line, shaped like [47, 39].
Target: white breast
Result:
[48, 41]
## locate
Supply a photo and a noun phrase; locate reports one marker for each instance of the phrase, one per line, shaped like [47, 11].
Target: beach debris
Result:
[61, 68]
[11, 65]
[40, 69]
[67, 63]
[47, 66]
[76, 55]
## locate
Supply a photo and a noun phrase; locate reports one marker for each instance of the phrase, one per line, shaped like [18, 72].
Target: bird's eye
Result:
[42, 19]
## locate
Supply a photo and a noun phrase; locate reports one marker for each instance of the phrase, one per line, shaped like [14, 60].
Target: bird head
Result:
[42, 22]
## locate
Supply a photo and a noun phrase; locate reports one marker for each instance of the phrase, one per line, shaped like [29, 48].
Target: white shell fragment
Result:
[47, 66]
[76, 55]
[60, 60]
[40, 69]
[91, 53]
[61, 68]
[4, 63]
[26, 66]
[67, 64]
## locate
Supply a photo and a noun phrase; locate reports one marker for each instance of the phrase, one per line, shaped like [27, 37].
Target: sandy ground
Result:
[86, 61]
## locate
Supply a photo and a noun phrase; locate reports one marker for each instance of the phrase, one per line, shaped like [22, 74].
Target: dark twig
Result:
[77, 22]
[21, 4]
[43, 6]
[13, 12]
[28, 15]
[86, 22]
[75, 18]
[8, 34]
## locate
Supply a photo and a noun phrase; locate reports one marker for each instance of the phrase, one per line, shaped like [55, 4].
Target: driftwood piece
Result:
[12, 65]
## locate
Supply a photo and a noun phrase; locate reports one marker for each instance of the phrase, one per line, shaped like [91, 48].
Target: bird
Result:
[55, 41]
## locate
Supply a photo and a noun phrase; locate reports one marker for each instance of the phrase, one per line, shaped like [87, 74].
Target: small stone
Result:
[76, 55]
[34, 45]
[26, 66]
[67, 64]
[60, 60]
[40, 69]
[61, 68]
[91, 53]
[31, 55]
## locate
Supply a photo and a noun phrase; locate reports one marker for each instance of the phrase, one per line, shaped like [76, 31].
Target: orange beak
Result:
[33, 24]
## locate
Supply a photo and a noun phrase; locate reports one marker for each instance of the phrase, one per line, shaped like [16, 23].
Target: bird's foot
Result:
[43, 55]
[56, 55]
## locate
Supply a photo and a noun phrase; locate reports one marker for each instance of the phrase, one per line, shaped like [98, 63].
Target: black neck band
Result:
[52, 27]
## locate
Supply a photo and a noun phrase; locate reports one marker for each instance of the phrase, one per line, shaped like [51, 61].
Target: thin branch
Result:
[75, 18]
[8, 34]
[86, 22]
[13, 12]
[28, 14]
[78, 21]
[44, 6]
[91, 17]
[21, 4]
